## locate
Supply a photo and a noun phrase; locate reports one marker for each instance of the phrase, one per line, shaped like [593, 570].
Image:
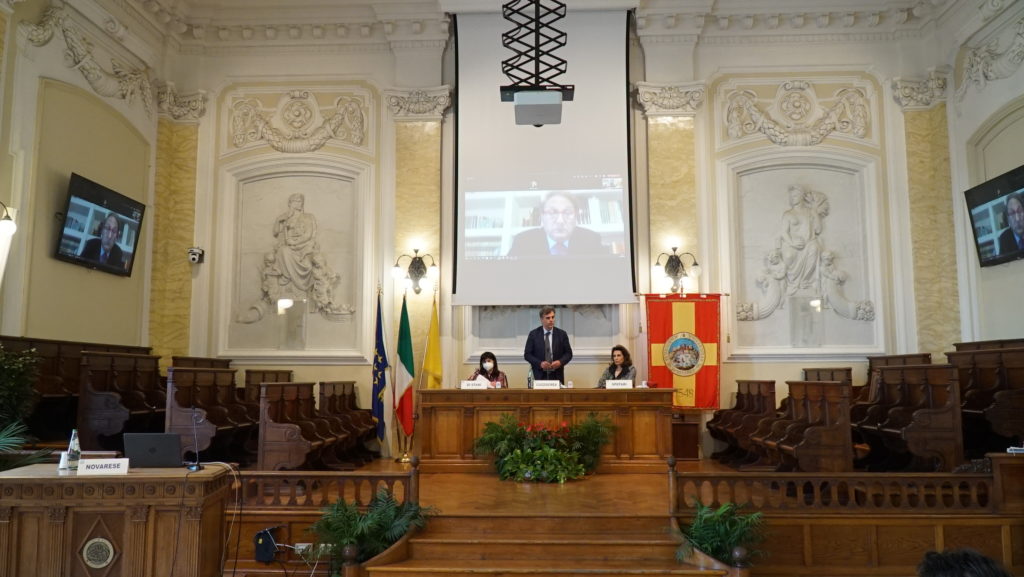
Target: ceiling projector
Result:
[538, 107]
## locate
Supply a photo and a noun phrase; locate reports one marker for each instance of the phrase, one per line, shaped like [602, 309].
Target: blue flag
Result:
[380, 375]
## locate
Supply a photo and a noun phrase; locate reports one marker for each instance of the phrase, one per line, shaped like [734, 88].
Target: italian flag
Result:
[405, 373]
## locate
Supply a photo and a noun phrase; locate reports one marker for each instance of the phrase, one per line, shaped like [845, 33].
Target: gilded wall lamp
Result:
[674, 268]
[416, 270]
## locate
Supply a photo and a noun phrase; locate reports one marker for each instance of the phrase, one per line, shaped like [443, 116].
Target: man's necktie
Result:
[547, 346]
[560, 248]
[103, 256]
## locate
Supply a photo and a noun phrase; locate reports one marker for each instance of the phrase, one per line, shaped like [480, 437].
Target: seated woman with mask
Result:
[489, 370]
[621, 369]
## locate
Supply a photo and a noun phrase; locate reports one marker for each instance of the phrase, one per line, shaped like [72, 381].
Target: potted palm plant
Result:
[18, 396]
[721, 538]
[347, 533]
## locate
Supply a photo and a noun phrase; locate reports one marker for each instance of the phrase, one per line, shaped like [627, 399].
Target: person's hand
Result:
[555, 365]
[546, 366]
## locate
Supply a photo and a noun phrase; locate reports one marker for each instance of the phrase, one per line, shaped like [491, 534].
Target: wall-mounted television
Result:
[997, 217]
[101, 227]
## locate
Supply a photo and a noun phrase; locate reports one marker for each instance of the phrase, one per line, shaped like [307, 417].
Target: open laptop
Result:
[148, 450]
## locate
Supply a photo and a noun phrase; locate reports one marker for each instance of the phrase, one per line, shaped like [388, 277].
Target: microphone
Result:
[195, 465]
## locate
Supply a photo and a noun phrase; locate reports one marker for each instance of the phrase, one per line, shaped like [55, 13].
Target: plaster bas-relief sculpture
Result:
[796, 117]
[805, 256]
[122, 81]
[985, 63]
[305, 254]
[180, 106]
[296, 268]
[297, 124]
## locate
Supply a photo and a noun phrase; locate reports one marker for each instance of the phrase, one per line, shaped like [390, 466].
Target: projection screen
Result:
[543, 213]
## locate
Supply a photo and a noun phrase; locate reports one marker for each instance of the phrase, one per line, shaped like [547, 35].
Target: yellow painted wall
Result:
[173, 228]
[933, 244]
[78, 132]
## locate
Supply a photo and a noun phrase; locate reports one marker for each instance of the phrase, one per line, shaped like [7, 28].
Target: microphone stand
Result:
[195, 465]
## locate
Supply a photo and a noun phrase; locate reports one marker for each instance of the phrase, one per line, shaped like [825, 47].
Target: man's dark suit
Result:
[561, 350]
[534, 242]
[1007, 242]
[92, 252]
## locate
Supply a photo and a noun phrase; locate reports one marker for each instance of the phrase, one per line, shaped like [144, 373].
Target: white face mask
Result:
[488, 365]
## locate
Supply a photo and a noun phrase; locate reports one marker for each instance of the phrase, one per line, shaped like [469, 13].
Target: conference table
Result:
[451, 419]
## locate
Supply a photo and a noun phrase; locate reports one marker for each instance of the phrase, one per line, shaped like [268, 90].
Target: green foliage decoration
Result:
[383, 522]
[548, 455]
[725, 533]
[18, 371]
[12, 438]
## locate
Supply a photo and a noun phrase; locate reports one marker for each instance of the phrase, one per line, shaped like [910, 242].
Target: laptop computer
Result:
[149, 450]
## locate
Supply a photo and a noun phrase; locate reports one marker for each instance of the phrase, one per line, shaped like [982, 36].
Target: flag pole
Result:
[403, 441]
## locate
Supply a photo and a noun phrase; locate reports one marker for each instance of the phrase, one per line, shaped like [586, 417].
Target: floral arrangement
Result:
[544, 454]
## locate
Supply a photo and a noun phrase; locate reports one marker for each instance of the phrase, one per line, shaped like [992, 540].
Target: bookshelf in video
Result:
[494, 218]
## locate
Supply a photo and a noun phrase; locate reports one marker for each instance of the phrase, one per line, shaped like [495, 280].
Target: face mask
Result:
[488, 365]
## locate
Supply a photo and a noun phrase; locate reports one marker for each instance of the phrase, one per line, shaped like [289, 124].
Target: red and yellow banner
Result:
[682, 346]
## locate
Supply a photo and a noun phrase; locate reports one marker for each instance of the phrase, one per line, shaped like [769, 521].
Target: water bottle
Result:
[74, 451]
[529, 378]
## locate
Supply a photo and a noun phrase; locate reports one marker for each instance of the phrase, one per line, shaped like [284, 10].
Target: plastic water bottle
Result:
[529, 378]
[74, 451]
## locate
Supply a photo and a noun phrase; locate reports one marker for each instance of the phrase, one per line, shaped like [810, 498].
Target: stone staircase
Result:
[500, 546]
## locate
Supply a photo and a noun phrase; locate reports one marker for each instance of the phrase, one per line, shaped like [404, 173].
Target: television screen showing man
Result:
[558, 233]
[104, 249]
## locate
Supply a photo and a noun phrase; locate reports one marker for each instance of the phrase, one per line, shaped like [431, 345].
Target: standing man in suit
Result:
[548, 349]
[1012, 239]
[104, 249]
[558, 234]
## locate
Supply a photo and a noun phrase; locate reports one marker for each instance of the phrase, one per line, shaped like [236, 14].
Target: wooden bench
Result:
[824, 442]
[771, 430]
[755, 400]
[922, 431]
[200, 362]
[58, 381]
[288, 438]
[339, 398]
[990, 424]
[253, 378]
[993, 344]
[120, 392]
[203, 408]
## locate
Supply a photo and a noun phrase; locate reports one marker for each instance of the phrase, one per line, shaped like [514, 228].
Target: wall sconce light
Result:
[674, 268]
[7, 224]
[416, 270]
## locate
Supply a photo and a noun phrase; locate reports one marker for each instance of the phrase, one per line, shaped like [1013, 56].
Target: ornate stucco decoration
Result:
[670, 99]
[801, 264]
[9, 4]
[920, 93]
[120, 82]
[796, 118]
[418, 104]
[180, 106]
[298, 124]
[986, 63]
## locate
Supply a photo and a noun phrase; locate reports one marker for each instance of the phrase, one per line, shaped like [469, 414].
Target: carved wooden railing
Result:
[856, 493]
[292, 490]
[290, 501]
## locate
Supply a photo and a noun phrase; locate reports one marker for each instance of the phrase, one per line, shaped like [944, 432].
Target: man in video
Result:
[104, 249]
[558, 234]
[1012, 239]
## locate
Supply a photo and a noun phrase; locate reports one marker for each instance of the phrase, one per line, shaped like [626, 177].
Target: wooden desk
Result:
[158, 522]
[450, 420]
